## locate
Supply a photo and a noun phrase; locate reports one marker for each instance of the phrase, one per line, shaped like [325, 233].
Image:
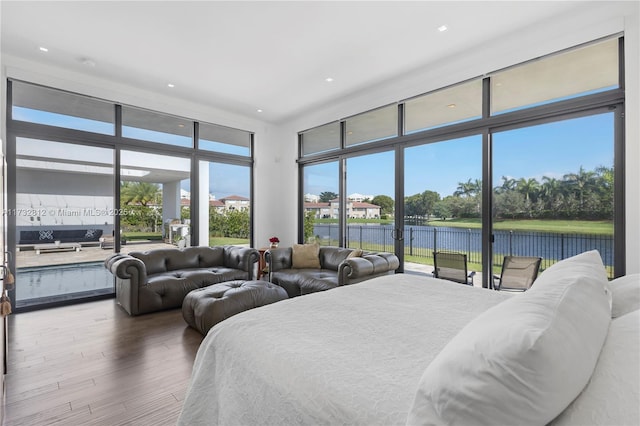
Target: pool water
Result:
[46, 284]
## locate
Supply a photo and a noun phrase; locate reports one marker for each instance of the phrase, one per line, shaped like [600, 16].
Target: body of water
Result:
[423, 240]
[44, 284]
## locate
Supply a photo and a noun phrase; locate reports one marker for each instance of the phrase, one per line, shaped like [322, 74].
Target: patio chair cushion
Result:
[47, 236]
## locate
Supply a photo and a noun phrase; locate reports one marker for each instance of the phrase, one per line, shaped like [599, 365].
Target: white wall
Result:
[563, 32]
[632, 150]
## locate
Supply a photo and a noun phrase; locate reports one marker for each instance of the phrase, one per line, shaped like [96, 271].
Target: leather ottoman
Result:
[205, 307]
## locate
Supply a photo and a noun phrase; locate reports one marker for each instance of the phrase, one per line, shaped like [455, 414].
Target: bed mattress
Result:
[350, 355]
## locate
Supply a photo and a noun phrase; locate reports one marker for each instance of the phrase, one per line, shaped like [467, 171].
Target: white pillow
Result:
[612, 395]
[524, 360]
[626, 294]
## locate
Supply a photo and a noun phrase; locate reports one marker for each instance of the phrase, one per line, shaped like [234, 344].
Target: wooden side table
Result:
[262, 264]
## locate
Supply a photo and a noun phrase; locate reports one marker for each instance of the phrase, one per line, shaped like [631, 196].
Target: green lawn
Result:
[153, 236]
[221, 241]
[599, 227]
[157, 236]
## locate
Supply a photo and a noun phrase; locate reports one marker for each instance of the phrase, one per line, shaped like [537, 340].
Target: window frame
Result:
[612, 99]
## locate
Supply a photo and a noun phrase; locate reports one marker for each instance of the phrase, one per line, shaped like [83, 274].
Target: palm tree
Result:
[508, 184]
[141, 193]
[469, 188]
[581, 182]
[550, 187]
[527, 187]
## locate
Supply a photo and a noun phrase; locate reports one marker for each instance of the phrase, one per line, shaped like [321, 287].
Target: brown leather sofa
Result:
[160, 279]
[336, 269]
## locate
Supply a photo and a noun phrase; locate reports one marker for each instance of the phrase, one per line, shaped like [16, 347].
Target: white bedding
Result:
[351, 355]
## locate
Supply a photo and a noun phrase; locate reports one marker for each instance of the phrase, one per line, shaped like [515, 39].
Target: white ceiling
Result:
[242, 56]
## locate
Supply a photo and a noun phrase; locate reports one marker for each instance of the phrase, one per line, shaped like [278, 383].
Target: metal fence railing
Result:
[422, 241]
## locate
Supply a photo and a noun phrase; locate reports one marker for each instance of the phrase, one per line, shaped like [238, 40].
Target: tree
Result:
[309, 219]
[550, 187]
[580, 183]
[509, 204]
[469, 188]
[413, 206]
[528, 188]
[327, 196]
[421, 204]
[508, 184]
[141, 193]
[385, 202]
[441, 209]
[430, 198]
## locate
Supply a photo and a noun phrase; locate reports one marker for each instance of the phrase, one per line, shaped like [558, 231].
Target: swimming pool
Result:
[47, 284]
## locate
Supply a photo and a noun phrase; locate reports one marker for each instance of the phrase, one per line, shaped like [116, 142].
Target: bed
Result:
[408, 349]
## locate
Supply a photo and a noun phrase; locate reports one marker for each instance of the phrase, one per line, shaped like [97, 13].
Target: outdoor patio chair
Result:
[518, 273]
[452, 266]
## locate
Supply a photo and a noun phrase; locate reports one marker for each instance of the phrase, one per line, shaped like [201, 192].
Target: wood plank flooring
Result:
[93, 364]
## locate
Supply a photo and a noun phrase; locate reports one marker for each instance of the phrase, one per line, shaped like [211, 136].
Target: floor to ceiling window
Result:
[225, 201]
[88, 177]
[518, 161]
[553, 190]
[370, 202]
[321, 204]
[443, 200]
[154, 201]
[64, 207]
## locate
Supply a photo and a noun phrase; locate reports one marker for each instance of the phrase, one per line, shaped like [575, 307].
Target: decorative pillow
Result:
[305, 256]
[612, 395]
[90, 233]
[626, 294]
[355, 253]
[524, 360]
[45, 235]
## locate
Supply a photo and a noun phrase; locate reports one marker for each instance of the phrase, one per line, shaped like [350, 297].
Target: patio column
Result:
[203, 200]
[170, 201]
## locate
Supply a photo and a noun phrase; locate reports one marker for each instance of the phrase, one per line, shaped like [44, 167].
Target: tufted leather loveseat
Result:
[336, 269]
[160, 279]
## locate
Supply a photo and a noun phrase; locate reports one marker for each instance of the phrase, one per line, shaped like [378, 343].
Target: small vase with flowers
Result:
[273, 242]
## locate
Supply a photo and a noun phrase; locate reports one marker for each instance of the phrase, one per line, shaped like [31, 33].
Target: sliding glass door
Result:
[553, 190]
[443, 202]
[369, 202]
[64, 209]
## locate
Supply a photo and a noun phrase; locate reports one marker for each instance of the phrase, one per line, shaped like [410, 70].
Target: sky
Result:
[552, 150]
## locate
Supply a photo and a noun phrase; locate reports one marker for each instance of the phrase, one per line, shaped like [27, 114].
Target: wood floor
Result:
[92, 364]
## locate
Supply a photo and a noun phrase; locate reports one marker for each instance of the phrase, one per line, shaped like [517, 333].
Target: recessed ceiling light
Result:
[442, 28]
[171, 85]
[328, 79]
[259, 110]
[43, 49]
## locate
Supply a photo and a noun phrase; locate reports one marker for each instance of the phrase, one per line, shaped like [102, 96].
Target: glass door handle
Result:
[397, 234]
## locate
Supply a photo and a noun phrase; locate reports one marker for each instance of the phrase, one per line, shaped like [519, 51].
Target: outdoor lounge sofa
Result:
[308, 268]
[49, 236]
[160, 279]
